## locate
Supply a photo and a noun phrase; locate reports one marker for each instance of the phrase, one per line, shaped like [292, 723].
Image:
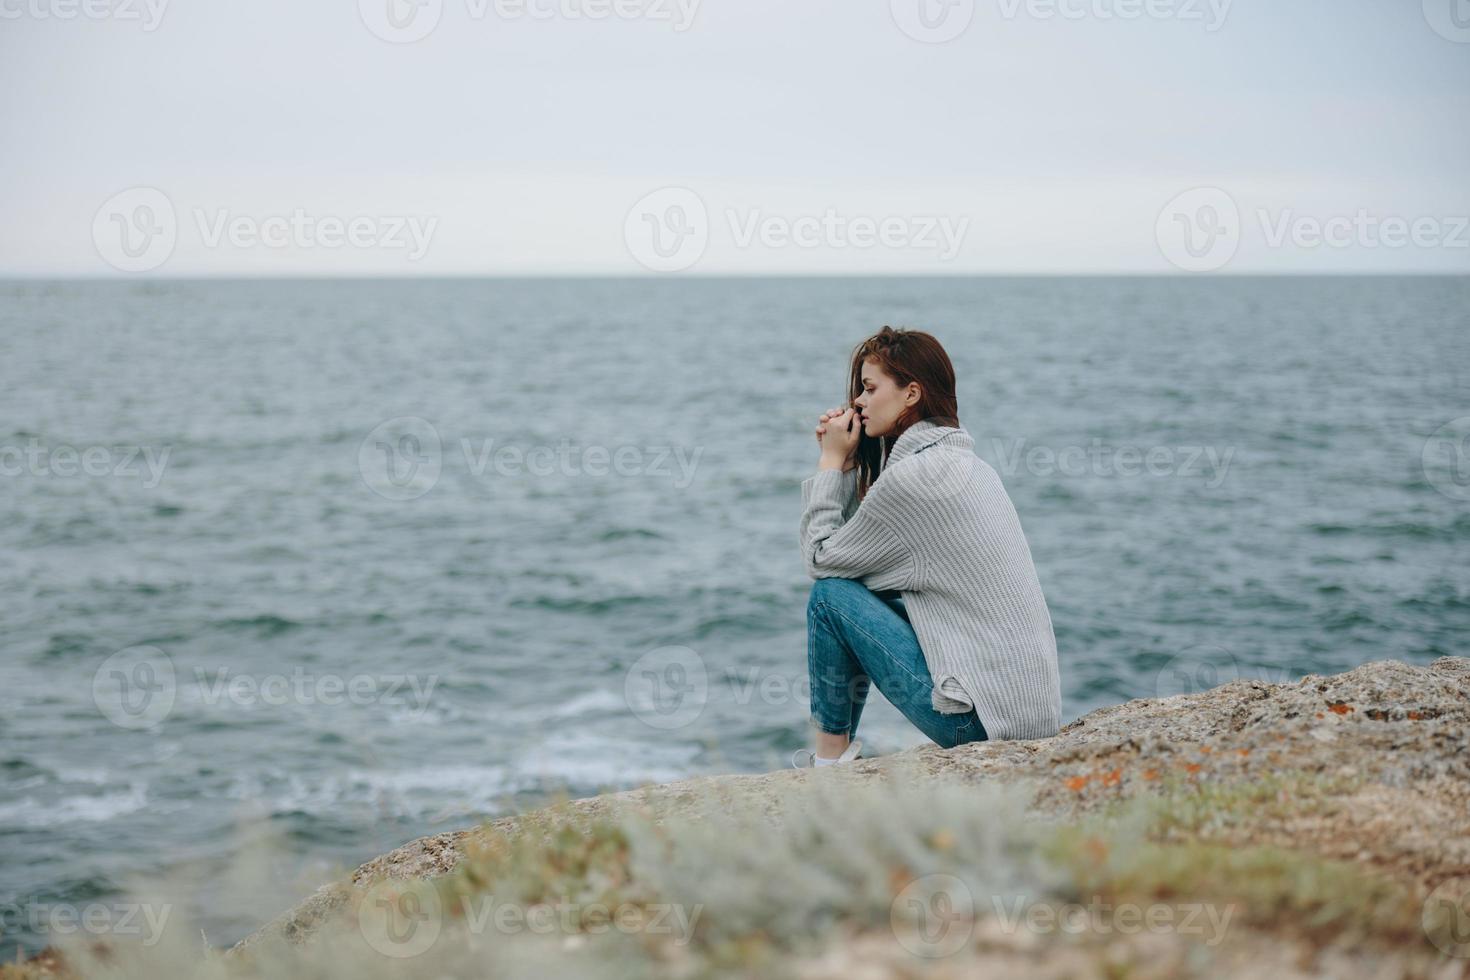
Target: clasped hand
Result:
[838, 432]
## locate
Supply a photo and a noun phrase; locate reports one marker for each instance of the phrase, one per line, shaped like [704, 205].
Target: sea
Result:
[293, 572]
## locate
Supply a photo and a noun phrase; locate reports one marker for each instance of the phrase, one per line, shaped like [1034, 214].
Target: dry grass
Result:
[732, 889]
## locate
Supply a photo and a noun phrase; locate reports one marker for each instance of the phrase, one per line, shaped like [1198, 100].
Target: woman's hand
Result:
[827, 416]
[838, 432]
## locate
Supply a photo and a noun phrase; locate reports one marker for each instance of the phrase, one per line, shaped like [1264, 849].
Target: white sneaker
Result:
[807, 759]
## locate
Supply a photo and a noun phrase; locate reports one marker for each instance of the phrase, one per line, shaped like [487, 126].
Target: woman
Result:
[924, 581]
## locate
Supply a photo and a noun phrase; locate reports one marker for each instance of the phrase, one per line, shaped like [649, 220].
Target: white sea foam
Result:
[599, 700]
[579, 760]
[30, 811]
[405, 793]
[586, 760]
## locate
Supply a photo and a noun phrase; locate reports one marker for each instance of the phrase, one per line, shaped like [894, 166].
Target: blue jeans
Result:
[855, 637]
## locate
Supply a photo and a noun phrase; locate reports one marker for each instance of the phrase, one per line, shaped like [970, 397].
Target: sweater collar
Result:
[925, 433]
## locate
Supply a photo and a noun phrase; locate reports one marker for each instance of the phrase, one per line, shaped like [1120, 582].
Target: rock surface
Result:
[1395, 734]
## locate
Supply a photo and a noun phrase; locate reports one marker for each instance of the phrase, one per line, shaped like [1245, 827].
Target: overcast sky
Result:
[504, 137]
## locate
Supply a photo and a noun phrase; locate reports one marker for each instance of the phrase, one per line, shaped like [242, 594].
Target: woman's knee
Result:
[827, 591]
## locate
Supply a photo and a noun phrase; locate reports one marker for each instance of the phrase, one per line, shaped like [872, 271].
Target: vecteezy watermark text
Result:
[1098, 459]
[138, 229]
[659, 918]
[403, 922]
[300, 229]
[65, 460]
[1097, 917]
[1362, 229]
[394, 690]
[669, 687]
[402, 459]
[1202, 229]
[407, 21]
[1210, 13]
[149, 13]
[938, 233]
[138, 687]
[934, 916]
[938, 21]
[669, 230]
[143, 920]
[568, 459]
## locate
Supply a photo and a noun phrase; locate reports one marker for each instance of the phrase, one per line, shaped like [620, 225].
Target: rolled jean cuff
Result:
[825, 728]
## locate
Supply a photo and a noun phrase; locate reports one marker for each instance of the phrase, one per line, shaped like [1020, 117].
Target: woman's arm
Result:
[865, 547]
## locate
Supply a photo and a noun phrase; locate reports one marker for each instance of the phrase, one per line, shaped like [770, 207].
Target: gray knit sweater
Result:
[938, 526]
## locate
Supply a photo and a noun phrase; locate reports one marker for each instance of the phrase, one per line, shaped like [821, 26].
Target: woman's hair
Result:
[905, 356]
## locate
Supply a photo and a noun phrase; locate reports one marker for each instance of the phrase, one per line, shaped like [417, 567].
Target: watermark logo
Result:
[933, 916]
[401, 458]
[135, 688]
[933, 21]
[1445, 917]
[1196, 669]
[136, 230]
[667, 230]
[1199, 230]
[400, 920]
[1450, 19]
[401, 21]
[667, 688]
[1445, 459]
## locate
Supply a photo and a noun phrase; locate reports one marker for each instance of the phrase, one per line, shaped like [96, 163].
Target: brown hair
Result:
[905, 356]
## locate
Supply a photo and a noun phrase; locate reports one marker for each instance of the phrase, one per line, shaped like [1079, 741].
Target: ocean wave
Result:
[577, 761]
[402, 794]
[583, 761]
[1397, 529]
[631, 533]
[590, 607]
[265, 624]
[32, 812]
[599, 701]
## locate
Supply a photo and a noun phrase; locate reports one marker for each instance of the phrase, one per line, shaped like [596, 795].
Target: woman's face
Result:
[882, 401]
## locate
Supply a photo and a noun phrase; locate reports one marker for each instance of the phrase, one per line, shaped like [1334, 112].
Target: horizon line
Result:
[673, 277]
